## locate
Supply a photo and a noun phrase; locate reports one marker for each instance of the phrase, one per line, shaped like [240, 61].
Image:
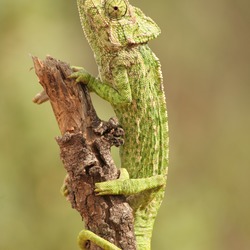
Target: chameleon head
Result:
[114, 24]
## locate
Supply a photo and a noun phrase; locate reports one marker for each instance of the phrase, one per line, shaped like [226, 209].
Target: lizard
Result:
[130, 79]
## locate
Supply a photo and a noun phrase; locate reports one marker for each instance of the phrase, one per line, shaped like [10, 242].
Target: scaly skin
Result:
[130, 79]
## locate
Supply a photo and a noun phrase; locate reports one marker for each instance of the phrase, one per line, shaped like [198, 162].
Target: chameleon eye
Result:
[115, 9]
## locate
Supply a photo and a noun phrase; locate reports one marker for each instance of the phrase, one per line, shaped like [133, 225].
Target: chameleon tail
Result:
[86, 235]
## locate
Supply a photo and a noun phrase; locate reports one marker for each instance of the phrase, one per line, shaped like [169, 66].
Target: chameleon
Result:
[130, 79]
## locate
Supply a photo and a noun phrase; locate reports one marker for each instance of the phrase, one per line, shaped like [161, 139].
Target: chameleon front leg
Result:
[117, 93]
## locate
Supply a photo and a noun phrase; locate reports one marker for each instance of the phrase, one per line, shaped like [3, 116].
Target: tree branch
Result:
[85, 152]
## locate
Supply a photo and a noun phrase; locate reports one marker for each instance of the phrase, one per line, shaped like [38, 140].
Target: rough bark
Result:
[85, 152]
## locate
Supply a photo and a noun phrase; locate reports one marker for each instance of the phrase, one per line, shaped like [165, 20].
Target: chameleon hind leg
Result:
[143, 196]
[126, 186]
[139, 191]
[86, 235]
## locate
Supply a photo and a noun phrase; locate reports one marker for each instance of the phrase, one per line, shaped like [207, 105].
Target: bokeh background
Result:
[204, 51]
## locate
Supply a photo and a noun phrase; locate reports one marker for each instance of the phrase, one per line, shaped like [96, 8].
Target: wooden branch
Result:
[85, 152]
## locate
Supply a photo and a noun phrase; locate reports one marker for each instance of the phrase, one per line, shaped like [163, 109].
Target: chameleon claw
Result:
[80, 75]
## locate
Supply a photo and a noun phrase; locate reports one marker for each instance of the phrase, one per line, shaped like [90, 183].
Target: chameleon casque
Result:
[130, 79]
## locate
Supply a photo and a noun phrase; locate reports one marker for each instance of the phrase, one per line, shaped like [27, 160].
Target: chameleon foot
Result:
[64, 189]
[80, 75]
[40, 97]
[86, 235]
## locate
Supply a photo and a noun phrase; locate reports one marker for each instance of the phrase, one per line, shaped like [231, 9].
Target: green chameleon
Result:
[130, 79]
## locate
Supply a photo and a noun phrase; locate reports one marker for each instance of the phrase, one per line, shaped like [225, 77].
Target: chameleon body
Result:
[130, 79]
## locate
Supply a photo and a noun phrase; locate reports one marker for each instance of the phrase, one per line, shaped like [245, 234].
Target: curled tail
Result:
[86, 235]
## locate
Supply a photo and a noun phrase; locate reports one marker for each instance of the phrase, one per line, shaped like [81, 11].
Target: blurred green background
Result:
[204, 51]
